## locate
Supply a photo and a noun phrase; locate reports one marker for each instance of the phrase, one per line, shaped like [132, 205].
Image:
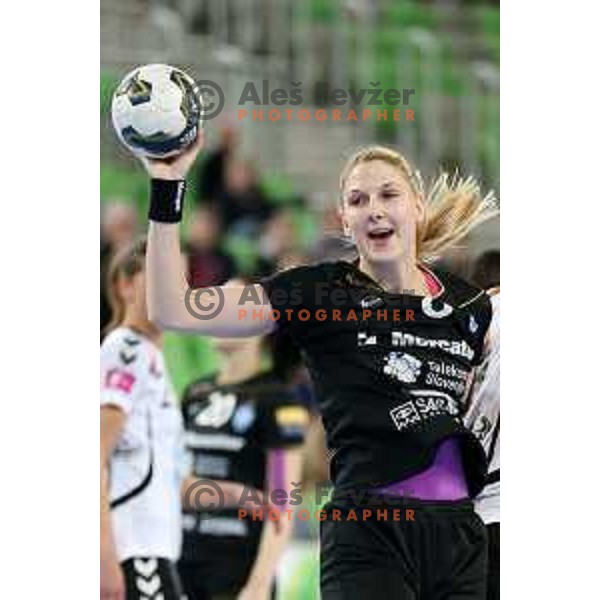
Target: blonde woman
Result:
[390, 343]
[141, 439]
[141, 436]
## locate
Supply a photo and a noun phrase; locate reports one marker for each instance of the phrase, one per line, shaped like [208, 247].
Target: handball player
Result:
[390, 343]
[244, 425]
[141, 442]
[140, 439]
[483, 417]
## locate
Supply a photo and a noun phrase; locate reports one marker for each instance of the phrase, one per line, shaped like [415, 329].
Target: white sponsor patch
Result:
[402, 366]
[217, 441]
[408, 340]
[364, 339]
[243, 418]
[224, 526]
[371, 302]
[426, 405]
[435, 313]
[405, 415]
[218, 412]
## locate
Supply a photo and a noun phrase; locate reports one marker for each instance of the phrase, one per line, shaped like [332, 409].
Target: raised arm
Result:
[172, 305]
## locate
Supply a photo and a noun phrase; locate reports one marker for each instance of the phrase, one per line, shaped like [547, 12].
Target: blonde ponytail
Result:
[454, 206]
[117, 306]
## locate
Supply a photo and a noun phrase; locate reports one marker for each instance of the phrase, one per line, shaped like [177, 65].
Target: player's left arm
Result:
[199, 494]
[284, 467]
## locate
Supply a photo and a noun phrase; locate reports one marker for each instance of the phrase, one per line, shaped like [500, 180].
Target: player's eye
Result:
[356, 198]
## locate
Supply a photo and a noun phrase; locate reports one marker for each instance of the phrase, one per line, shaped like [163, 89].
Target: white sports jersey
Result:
[144, 487]
[483, 418]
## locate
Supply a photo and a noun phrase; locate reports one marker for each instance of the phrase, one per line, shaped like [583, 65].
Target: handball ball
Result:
[157, 110]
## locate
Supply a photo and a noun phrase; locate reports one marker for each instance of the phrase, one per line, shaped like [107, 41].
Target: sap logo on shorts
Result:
[435, 313]
[405, 340]
[403, 367]
[218, 412]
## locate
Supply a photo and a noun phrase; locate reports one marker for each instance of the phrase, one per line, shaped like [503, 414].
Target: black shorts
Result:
[441, 554]
[210, 581]
[148, 578]
[493, 572]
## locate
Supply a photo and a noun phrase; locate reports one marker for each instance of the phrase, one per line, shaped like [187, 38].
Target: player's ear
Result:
[420, 208]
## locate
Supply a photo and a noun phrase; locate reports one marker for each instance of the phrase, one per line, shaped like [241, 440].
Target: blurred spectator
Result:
[456, 261]
[486, 270]
[208, 264]
[242, 204]
[119, 224]
[290, 259]
[211, 177]
[278, 238]
[118, 227]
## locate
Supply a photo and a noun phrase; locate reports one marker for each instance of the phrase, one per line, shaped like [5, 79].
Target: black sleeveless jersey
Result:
[389, 370]
[228, 431]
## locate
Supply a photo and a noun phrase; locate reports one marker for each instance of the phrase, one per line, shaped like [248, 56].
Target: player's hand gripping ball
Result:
[157, 111]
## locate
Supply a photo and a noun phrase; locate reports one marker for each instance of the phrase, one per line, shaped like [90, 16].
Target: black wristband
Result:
[166, 200]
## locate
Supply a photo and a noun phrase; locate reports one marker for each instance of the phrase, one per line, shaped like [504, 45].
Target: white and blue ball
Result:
[157, 111]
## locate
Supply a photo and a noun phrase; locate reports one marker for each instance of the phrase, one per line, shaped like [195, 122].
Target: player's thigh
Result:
[359, 559]
[493, 566]
[463, 577]
[193, 581]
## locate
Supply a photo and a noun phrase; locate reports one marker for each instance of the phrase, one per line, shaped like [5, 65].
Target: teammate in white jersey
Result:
[141, 437]
[141, 447]
[483, 418]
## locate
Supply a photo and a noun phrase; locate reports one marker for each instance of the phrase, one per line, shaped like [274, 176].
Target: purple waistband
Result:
[443, 480]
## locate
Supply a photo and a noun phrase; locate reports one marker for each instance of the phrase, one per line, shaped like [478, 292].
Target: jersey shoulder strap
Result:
[472, 306]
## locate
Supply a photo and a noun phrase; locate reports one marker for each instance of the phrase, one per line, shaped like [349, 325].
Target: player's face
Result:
[133, 292]
[380, 211]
